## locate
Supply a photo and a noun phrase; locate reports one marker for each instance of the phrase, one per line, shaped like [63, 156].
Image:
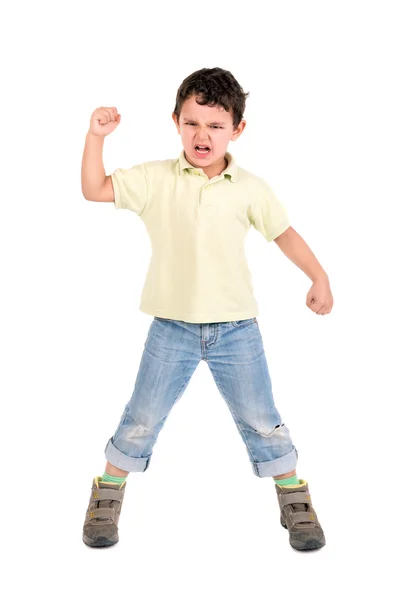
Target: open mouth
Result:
[202, 151]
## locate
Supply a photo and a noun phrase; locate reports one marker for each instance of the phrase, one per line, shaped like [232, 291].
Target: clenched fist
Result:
[104, 120]
[319, 298]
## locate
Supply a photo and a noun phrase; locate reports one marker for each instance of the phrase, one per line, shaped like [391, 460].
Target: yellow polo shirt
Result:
[198, 271]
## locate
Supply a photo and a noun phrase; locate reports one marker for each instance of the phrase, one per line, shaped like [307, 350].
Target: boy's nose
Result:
[202, 137]
[202, 132]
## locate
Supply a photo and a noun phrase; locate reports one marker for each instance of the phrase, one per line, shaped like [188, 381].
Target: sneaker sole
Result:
[100, 542]
[310, 545]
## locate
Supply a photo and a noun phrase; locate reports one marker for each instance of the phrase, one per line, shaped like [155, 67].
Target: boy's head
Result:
[209, 112]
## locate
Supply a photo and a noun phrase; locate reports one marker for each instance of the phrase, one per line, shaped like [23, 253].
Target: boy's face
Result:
[206, 126]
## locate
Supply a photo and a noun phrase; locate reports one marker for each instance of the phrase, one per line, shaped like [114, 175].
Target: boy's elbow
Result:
[104, 194]
[88, 197]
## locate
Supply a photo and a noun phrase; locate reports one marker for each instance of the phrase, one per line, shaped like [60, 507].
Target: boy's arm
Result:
[96, 186]
[319, 298]
[127, 188]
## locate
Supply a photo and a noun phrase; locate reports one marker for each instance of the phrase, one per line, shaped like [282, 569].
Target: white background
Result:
[323, 130]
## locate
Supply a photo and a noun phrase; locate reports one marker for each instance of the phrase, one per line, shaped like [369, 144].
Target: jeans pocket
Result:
[244, 322]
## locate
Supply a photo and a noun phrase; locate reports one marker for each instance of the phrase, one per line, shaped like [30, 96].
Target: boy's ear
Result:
[239, 130]
[175, 119]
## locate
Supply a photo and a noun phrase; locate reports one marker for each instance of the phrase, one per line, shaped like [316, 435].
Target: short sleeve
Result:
[268, 215]
[130, 188]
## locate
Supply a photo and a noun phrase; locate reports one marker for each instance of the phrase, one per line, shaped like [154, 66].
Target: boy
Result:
[197, 209]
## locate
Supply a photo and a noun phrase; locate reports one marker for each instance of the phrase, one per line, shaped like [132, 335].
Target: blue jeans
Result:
[235, 354]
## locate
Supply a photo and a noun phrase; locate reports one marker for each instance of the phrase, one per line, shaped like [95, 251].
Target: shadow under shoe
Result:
[100, 528]
[299, 517]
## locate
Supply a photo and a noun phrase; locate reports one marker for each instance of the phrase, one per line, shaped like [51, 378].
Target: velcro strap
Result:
[104, 512]
[107, 494]
[293, 497]
[303, 517]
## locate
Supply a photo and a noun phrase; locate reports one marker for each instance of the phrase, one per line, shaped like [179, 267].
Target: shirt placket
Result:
[205, 198]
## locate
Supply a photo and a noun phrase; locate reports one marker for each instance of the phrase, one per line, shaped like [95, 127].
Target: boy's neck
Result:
[212, 170]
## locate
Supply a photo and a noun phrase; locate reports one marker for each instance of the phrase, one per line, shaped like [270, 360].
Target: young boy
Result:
[197, 209]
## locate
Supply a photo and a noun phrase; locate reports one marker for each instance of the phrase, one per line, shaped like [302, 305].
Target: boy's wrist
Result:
[93, 135]
[320, 276]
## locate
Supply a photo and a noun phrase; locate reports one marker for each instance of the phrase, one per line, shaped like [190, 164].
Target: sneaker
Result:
[299, 517]
[101, 524]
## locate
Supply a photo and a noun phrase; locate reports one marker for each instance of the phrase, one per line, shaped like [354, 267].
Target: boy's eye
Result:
[212, 126]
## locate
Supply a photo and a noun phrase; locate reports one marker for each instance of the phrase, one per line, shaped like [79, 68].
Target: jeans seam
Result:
[234, 414]
[179, 391]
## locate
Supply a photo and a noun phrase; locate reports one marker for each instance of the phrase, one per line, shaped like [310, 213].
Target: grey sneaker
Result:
[101, 523]
[299, 517]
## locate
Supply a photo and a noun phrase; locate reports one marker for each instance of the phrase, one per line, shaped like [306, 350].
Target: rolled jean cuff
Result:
[122, 461]
[279, 466]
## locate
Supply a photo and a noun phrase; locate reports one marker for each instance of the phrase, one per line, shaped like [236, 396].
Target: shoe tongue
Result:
[106, 484]
[298, 507]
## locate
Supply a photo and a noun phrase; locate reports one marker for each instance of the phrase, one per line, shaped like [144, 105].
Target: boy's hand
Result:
[319, 298]
[104, 120]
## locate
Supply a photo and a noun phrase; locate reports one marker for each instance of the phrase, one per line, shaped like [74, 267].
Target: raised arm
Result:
[96, 186]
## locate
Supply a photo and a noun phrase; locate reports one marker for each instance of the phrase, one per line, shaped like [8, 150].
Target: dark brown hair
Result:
[214, 87]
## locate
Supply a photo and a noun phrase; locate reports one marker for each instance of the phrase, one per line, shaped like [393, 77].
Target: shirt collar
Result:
[230, 170]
